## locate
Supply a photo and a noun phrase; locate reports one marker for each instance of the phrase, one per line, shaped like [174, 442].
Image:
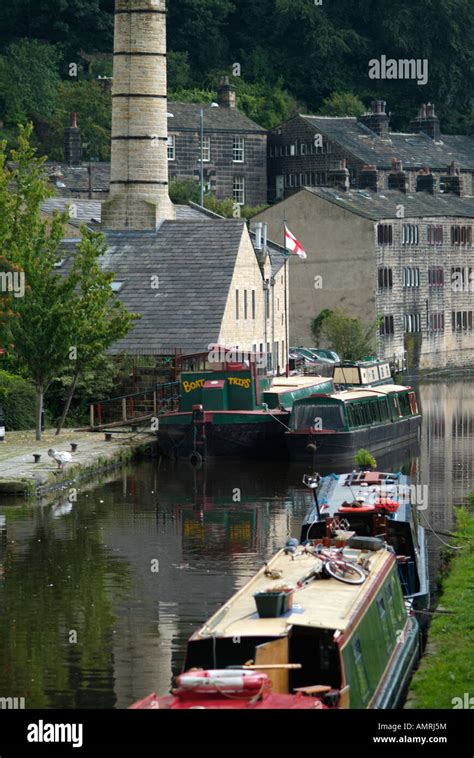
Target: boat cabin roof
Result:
[321, 604]
[363, 394]
[336, 489]
[288, 383]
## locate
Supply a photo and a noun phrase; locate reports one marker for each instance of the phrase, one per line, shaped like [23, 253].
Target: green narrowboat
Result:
[332, 428]
[325, 621]
[234, 412]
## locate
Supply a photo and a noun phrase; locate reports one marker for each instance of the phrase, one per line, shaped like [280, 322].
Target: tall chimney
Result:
[226, 96]
[377, 120]
[72, 143]
[427, 121]
[138, 197]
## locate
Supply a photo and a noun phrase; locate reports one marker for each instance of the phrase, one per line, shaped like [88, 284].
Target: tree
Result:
[93, 106]
[29, 78]
[342, 104]
[99, 320]
[317, 324]
[348, 336]
[48, 326]
[182, 192]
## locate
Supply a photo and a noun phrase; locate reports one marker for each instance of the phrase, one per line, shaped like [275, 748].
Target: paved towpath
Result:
[20, 474]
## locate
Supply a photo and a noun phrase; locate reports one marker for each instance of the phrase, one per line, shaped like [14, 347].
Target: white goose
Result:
[60, 457]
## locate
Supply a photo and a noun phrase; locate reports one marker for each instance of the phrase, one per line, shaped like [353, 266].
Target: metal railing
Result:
[138, 406]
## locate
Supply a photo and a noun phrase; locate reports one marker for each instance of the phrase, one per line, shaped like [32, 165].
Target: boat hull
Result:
[228, 436]
[341, 446]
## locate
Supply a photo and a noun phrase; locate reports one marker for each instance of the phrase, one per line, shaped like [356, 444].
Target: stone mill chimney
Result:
[138, 197]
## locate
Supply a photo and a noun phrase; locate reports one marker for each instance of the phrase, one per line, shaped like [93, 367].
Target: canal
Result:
[98, 596]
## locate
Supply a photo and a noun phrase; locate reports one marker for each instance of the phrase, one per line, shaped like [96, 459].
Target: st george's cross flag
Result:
[292, 245]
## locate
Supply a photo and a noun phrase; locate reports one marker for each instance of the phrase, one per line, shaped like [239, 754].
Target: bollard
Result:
[74, 446]
[108, 436]
[37, 457]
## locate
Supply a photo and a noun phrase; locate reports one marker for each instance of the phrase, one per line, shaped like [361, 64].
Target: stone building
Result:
[363, 153]
[404, 258]
[234, 148]
[195, 278]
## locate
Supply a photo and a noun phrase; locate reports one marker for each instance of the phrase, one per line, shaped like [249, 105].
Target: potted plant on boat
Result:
[365, 460]
[274, 601]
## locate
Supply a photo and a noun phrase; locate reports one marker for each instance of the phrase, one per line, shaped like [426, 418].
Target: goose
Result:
[60, 457]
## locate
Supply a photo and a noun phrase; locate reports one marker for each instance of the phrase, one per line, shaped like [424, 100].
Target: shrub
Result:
[17, 397]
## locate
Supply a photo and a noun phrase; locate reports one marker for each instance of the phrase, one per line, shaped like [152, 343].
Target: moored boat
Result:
[360, 374]
[327, 624]
[233, 412]
[375, 504]
[331, 428]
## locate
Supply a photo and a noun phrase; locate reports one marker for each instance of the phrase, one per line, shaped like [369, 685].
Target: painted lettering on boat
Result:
[190, 386]
[237, 382]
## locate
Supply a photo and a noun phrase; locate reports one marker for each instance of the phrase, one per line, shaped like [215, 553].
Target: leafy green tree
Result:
[342, 104]
[183, 192]
[48, 327]
[98, 319]
[317, 324]
[348, 336]
[29, 79]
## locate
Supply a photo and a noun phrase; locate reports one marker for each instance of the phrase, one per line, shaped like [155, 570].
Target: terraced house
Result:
[363, 153]
[404, 258]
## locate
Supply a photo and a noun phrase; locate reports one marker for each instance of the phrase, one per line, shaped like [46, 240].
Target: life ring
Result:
[385, 504]
[222, 681]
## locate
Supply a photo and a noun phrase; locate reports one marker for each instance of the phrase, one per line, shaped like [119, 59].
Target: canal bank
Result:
[21, 474]
[443, 677]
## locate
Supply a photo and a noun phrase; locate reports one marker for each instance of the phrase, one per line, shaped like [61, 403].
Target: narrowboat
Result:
[332, 428]
[321, 625]
[374, 503]
[234, 412]
[367, 373]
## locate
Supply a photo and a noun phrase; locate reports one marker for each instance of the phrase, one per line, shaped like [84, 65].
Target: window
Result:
[385, 278]
[253, 304]
[206, 150]
[238, 150]
[245, 304]
[271, 151]
[436, 277]
[238, 189]
[385, 234]
[360, 668]
[461, 235]
[303, 148]
[462, 279]
[435, 234]
[436, 322]
[292, 149]
[461, 321]
[410, 234]
[410, 277]
[292, 180]
[237, 316]
[384, 620]
[412, 322]
[387, 326]
[171, 147]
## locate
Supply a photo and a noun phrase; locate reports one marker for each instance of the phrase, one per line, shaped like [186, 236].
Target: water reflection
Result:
[90, 567]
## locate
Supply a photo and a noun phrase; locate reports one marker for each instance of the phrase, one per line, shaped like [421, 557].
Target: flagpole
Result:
[287, 347]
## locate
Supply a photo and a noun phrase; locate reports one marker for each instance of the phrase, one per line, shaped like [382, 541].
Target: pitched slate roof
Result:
[378, 205]
[194, 262]
[73, 179]
[187, 117]
[87, 211]
[414, 150]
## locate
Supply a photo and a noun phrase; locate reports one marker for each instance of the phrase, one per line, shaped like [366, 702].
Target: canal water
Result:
[98, 596]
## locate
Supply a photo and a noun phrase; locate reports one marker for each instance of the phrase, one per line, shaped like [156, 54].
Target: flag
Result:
[292, 245]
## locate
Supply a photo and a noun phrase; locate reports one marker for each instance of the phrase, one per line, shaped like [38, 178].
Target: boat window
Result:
[317, 416]
[384, 620]
[404, 404]
[383, 409]
[391, 608]
[360, 668]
